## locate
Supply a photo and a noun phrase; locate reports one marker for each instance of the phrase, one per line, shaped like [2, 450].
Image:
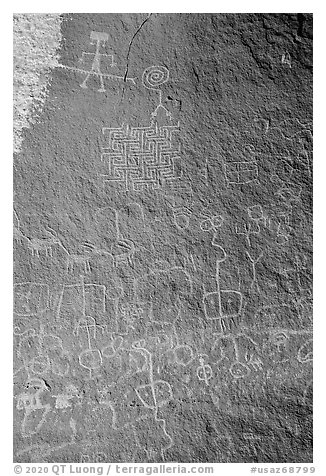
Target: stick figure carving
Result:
[224, 306]
[153, 78]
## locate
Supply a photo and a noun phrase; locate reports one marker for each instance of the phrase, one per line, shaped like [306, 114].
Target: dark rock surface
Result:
[163, 243]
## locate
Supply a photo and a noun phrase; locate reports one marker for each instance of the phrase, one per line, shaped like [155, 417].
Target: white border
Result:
[230, 6]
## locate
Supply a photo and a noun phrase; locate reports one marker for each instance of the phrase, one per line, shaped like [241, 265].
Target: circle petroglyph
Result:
[155, 76]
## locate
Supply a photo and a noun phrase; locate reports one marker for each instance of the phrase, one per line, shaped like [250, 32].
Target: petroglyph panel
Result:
[162, 227]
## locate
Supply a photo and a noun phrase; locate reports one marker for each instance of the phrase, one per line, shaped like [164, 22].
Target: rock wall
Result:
[163, 240]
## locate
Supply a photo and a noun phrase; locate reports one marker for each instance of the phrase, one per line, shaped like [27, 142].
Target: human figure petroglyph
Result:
[154, 77]
[88, 323]
[99, 39]
[63, 399]
[43, 353]
[31, 402]
[223, 306]
[89, 358]
[256, 213]
[71, 299]
[177, 353]
[30, 298]
[257, 220]
[204, 370]
[212, 223]
[254, 262]
[248, 229]
[157, 393]
[278, 222]
[241, 350]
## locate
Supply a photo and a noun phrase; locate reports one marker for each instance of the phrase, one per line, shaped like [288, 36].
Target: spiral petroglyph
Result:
[155, 76]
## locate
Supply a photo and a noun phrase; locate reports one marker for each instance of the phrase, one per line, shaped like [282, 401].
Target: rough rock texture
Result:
[36, 41]
[163, 230]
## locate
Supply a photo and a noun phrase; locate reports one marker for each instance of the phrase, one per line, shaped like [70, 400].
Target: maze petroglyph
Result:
[138, 158]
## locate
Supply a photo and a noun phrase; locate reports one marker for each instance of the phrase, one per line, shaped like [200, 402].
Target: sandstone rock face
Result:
[163, 242]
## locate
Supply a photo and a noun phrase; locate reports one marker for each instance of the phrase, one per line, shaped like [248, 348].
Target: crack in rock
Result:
[130, 45]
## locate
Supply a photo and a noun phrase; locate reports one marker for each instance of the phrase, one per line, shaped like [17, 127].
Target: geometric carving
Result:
[141, 158]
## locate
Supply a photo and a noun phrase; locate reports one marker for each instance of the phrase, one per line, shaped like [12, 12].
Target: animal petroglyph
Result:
[45, 245]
